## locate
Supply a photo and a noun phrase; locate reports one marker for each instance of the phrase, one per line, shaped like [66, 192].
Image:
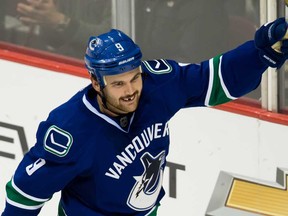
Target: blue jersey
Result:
[114, 166]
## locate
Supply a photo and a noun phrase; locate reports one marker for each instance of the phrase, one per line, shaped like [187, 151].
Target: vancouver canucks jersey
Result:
[108, 166]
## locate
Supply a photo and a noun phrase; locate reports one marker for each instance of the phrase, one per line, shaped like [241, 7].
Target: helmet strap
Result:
[103, 98]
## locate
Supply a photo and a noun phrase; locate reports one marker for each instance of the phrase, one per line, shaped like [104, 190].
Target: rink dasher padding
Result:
[62, 67]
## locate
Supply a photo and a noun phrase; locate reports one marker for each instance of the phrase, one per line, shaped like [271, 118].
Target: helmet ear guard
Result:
[111, 53]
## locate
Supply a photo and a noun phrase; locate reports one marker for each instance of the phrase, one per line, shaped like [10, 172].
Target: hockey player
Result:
[105, 148]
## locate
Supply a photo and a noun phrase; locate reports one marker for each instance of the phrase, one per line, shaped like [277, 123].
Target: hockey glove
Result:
[266, 37]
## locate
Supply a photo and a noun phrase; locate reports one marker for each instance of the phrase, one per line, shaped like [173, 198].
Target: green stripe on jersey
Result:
[61, 210]
[217, 92]
[154, 212]
[15, 196]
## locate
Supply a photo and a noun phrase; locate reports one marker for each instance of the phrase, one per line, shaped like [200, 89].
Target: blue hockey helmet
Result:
[111, 53]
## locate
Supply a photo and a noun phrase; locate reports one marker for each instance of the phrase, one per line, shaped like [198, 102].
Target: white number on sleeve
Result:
[30, 169]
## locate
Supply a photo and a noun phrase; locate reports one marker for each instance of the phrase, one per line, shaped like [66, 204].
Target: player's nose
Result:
[129, 89]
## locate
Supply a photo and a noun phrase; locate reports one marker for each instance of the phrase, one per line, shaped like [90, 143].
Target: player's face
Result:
[122, 92]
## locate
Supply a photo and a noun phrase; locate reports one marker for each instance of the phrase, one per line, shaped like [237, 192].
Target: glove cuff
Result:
[271, 58]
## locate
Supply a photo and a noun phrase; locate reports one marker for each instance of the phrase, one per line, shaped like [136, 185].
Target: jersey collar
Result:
[90, 107]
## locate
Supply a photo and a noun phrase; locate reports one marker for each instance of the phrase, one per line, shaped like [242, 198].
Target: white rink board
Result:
[204, 140]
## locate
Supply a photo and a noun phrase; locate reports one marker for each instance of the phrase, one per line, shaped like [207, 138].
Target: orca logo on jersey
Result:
[145, 191]
[158, 66]
[57, 141]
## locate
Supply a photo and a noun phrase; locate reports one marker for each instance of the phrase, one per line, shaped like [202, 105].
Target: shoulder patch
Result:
[160, 66]
[57, 141]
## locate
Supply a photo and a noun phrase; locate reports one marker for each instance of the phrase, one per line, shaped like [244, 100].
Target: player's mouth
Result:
[130, 98]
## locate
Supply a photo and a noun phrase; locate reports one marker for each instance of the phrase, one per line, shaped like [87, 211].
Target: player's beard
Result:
[123, 105]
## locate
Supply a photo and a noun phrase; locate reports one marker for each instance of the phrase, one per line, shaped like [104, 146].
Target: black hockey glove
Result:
[273, 47]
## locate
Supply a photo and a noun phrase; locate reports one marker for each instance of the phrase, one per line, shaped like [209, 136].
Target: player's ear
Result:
[95, 83]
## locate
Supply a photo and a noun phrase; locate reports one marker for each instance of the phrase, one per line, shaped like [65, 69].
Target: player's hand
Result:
[265, 39]
[43, 12]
